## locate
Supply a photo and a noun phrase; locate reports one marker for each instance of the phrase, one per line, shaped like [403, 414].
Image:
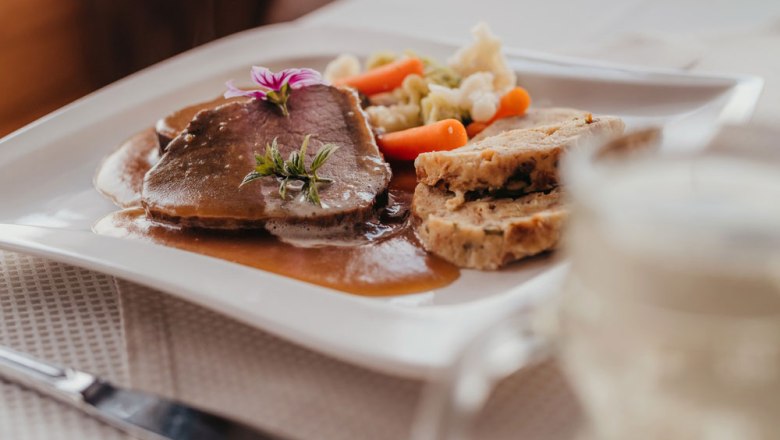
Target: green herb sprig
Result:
[294, 168]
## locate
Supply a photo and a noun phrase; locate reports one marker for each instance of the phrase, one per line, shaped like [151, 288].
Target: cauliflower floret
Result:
[412, 90]
[435, 72]
[400, 109]
[379, 59]
[441, 103]
[478, 96]
[475, 97]
[394, 117]
[345, 65]
[484, 55]
[484, 107]
[384, 98]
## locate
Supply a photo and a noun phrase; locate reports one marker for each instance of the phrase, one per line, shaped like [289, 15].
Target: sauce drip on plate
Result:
[384, 259]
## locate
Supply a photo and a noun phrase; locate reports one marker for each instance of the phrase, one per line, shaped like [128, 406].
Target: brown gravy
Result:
[393, 264]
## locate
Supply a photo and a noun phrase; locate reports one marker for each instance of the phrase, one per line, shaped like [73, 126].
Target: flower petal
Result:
[274, 82]
[263, 77]
[304, 77]
[233, 91]
[296, 78]
[283, 76]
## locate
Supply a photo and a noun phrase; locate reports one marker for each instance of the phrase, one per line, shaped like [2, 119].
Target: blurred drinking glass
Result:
[668, 324]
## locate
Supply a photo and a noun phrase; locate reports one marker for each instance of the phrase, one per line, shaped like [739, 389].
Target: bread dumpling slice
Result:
[517, 161]
[488, 233]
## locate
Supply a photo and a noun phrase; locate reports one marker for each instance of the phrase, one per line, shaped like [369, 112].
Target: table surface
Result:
[36, 296]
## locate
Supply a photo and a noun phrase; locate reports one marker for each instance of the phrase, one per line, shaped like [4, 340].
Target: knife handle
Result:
[65, 384]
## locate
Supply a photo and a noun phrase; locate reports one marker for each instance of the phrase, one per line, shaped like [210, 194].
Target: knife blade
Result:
[143, 415]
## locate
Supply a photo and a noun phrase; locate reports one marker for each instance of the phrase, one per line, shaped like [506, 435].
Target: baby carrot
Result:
[383, 78]
[514, 103]
[475, 128]
[439, 136]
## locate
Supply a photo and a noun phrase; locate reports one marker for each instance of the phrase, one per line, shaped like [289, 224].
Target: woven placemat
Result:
[65, 315]
[199, 356]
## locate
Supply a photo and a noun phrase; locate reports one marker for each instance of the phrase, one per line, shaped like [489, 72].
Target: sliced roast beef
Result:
[170, 126]
[197, 181]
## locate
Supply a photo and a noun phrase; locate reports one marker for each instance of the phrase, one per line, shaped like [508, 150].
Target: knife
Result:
[143, 415]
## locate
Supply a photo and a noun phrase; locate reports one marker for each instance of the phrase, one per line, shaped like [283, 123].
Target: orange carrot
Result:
[514, 103]
[439, 136]
[475, 128]
[383, 78]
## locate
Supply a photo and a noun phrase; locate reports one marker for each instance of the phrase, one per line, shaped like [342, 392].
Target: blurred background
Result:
[55, 51]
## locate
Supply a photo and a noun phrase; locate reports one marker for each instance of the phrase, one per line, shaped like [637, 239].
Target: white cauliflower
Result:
[441, 103]
[484, 55]
[474, 97]
[478, 96]
[394, 117]
[412, 90]
[400, 109]
[345, 65]
[379, 59]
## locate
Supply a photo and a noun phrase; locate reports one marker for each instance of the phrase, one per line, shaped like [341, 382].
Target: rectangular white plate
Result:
[48, 203]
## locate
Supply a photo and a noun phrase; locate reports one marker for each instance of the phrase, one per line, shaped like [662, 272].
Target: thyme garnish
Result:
[294, 168]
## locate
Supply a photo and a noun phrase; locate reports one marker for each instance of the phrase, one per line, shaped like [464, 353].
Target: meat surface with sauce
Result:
[171, 125]
[197, 181]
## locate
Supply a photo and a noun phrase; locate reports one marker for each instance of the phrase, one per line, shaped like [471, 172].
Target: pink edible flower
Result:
[275, 87]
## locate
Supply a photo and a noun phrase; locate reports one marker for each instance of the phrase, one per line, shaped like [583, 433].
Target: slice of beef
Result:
[196, 182]
[170, 126]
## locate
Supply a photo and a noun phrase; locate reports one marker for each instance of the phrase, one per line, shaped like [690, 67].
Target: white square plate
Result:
[48, 203]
